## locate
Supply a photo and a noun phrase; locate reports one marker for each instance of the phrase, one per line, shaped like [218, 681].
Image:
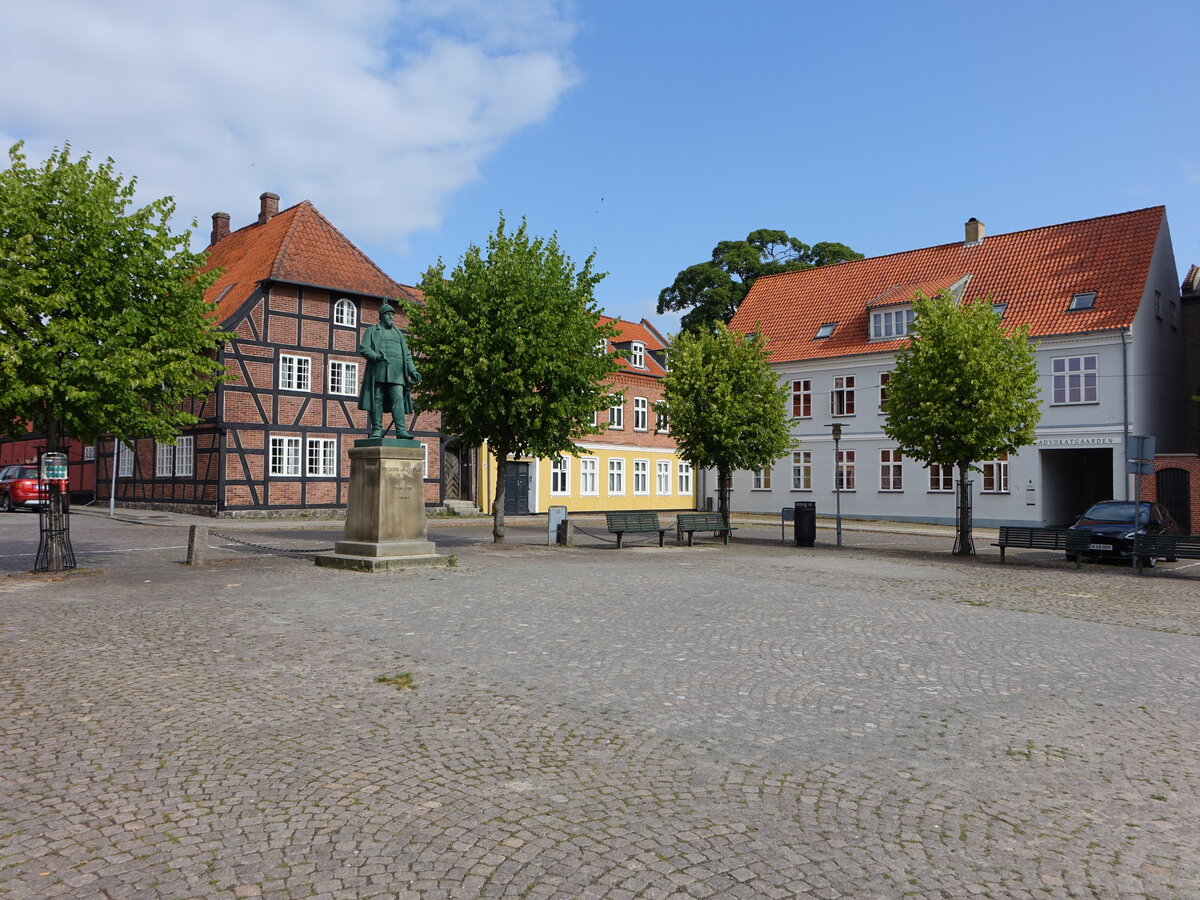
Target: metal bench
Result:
[1073, 543]
[640, 521]
[1169, 546]
[690, 523]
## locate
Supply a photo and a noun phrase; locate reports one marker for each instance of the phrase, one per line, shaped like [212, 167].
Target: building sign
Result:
[1076, 441]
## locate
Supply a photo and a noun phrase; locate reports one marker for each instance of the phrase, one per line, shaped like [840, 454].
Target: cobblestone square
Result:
[756, 720]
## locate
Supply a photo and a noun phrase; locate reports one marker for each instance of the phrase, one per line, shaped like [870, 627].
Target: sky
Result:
[643, 132]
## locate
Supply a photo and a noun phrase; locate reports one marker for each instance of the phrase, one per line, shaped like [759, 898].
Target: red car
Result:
[19, 488]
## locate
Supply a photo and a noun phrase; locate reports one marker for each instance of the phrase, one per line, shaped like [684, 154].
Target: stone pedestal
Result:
[385, 516]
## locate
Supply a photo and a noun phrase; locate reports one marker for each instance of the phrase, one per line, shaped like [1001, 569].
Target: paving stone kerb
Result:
[713, 722]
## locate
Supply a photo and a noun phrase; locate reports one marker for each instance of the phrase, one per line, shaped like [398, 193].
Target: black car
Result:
[1111, 527]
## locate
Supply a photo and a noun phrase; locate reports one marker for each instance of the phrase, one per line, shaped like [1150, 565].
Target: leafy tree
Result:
[726, 406]
[711, 291]
[103, 323]
[962, 391]
[510, 342]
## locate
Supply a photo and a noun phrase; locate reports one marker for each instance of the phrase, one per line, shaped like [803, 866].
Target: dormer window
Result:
[999, 309]
[888, 324]
[1082, 300]
[637, 355]
[825, 330]
[345, 313]
[602, 346]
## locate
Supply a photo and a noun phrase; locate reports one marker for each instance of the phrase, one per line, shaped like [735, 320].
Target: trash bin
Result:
[806, 523]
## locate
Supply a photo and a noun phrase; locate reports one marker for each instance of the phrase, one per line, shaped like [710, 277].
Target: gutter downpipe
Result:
[1125, 408]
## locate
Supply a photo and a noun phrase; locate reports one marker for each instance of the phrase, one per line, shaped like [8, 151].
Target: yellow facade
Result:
[604, 477]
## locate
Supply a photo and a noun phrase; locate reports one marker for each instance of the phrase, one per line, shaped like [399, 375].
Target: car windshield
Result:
[1116, 511]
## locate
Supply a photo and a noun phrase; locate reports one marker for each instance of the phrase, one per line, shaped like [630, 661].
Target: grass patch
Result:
[401, 681]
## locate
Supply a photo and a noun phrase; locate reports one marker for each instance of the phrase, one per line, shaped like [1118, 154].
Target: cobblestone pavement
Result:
[751, 721]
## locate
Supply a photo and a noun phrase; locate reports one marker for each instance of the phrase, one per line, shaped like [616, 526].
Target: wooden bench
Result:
[1073, 543]
[1169, 546]
[640, 521]
[690, 523]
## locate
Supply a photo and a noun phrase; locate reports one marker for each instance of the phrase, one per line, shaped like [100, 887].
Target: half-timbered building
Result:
[274, 437]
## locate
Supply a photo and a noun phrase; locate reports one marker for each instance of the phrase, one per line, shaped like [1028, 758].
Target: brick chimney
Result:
[974, 231]
[220, 227]
[268, 206]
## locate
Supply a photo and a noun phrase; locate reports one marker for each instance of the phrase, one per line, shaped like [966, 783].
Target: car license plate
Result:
[1100, 546]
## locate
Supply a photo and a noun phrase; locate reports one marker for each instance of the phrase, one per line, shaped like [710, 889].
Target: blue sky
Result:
[643, 131]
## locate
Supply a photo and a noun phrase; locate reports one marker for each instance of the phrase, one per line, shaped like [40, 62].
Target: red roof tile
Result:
[1035, 272]
[643, 331]
[299, 246]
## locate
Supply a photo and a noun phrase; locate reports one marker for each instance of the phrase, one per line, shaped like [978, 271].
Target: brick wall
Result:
[1189, 463]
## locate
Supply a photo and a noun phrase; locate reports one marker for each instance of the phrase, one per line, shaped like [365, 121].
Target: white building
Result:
[1102, 301]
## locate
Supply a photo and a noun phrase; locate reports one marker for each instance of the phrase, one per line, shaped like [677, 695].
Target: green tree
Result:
[726, 407]
[511, 350]
[103, 323]
[711, 291]
[962, 391]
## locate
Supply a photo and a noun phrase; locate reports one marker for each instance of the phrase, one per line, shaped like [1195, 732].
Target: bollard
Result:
[197, 545]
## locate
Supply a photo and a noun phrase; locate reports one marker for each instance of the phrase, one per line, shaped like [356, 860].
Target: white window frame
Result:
[560, 476]
[345, 313]
[616, 477]
[662, 423]
[185, 456]
[891, 323]
[343, 378]
[295, 372]
[616, 413]
[995, 471]
[884, 378]
[323, 462]
[589, 476]
[641, 477]
[841, 398]
[164, 460]
[662, 477]
[802, 398]
[124, 460]
[762, 479]
[424, 460]
[891, 471]
[941, 478]
[637, 355]
[845, 471]
[683, 472]
[1075, 380]
[285, 459]
[802, 470]
[641, 414]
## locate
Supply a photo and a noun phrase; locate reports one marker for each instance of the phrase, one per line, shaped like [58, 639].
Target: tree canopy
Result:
[103, 323]
[512, 352]
[711, 291]
[726, 408]
[962, 391]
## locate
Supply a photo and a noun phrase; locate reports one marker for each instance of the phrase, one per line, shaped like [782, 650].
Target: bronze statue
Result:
[390, 375]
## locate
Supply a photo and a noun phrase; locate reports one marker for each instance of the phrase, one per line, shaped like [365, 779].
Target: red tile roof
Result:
[1035, 272]
[643, 331]
[299, 246]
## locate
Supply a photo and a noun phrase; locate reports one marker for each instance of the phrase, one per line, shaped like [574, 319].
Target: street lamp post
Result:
[837, 477]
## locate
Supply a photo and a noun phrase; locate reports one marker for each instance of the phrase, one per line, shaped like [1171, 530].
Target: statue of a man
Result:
[390, 375]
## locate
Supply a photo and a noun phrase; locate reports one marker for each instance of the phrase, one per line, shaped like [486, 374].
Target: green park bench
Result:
[1168, 546]
[1073, 543]
[690, 523]
[636, 522]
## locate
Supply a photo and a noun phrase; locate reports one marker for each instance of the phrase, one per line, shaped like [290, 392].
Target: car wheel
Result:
[6, 504]
[1149, 561]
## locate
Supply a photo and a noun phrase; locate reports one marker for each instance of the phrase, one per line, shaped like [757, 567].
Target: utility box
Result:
[555, 517]
[806, 523]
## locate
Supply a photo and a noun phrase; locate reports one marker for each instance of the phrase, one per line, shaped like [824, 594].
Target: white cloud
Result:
[376, 110]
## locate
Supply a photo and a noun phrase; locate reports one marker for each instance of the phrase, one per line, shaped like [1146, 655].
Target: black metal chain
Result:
[229, 537]
[601, 537]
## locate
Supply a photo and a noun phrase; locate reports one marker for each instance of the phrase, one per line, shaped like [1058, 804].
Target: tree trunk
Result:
[724, 486]
[964, 542]
[498, 500]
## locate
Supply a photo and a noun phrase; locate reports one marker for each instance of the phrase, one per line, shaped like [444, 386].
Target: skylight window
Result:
[825, 330]
[1083, 300]
[1000, 309]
